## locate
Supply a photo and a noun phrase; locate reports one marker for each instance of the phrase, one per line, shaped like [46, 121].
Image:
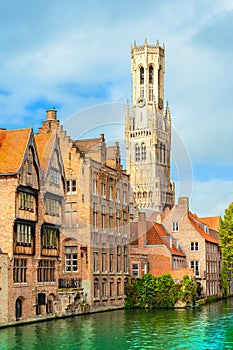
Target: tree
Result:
[226, 244]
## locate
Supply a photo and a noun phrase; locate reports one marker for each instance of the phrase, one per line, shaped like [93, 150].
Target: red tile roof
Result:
[44, 144]
[12, 149]
[212, 221]
[195, 221]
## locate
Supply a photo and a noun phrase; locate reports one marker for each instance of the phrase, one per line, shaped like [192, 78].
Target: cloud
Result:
[74, 55]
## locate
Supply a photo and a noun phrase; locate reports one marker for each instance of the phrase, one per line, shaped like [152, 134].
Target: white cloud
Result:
[48, 46]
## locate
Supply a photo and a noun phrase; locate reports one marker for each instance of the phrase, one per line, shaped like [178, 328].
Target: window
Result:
[195, 265]
[95, 261]
[96, 289]
[135, 270]
[95, 216]
[194, 246]
[143, 152]
[124, 197]
[104, 289]
[103, 217]
[125, 259]
[54, 176]
[118, 221]
[23, 234]
[137, 153]
[175, 226]
[118, 258]
[49, 238]
[110, 220]
[124, 222]
[26, 201]
[103, 190]
[206, 229]
[46, 270]
[141, 75]
[111, 259]
[94, 187]
[110, 192]
[71, 186]
[151, 93]
[118, 287]
[118, 195]
[111, 289]
[19, 270]
[151, 73]
[70, 214]
[71, 259]
[52, 206]
[103, 259]
[142, 96]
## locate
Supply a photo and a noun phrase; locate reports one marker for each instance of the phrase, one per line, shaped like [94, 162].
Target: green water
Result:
[208, 327]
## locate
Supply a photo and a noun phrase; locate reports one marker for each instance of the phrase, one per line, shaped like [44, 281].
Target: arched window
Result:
[144, 194]
[137, 153]
[18, 309]
[141, 75]
[143, 152]
[164, 154]
[151, 74]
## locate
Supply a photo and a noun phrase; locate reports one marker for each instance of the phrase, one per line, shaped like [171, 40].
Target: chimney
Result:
[51, 114]
[183, 202]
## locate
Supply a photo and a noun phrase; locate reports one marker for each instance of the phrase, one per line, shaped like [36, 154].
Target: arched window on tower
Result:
[141, 75]
[164, 154]
[151, 74]
[143, 152]
[137, 153]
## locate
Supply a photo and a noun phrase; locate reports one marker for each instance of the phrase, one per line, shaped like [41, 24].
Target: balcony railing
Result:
[69, 283]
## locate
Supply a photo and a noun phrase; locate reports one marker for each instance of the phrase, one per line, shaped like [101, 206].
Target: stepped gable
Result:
[13, 144]
[197, 224]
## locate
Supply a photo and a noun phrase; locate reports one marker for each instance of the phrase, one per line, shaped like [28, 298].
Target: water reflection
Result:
[208, 328]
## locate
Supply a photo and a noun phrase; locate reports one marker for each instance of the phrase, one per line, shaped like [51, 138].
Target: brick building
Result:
[30, 220]
[199, 241]
[98, 207]
[155, 250]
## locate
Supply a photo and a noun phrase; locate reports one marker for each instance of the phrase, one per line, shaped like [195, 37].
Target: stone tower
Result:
[148, 130]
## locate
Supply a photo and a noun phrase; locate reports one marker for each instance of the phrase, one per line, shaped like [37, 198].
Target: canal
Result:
[208, 327]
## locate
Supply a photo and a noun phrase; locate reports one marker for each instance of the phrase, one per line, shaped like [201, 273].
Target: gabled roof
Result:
[13, 145]
[44, 145]
[88, 145]
[195, 221]
[157, 235]
[212, 221]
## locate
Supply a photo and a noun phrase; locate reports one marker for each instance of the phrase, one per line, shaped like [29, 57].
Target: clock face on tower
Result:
[141, 102]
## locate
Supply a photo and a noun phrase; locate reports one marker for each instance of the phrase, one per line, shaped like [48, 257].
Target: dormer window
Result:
[206, 229]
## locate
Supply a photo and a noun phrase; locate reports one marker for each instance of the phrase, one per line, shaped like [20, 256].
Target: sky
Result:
[75, 56]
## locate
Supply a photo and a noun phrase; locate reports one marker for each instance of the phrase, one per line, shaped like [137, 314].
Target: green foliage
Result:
[160, 292]
[226, 244]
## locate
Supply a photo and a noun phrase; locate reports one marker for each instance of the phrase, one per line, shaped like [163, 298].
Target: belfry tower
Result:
[148, 130]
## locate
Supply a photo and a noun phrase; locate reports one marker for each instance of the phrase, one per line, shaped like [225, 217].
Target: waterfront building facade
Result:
[200, 244]
[148, 130]
[154, 250]
[98, 209]
[30, 219]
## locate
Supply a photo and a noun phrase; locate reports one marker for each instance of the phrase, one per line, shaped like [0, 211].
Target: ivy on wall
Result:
[160, 292]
